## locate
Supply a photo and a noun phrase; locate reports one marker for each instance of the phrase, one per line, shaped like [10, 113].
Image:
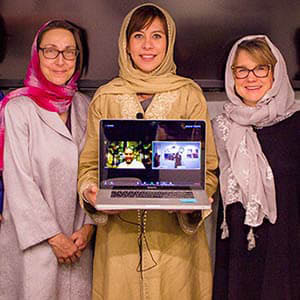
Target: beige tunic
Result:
[41, 161]
[173, 252]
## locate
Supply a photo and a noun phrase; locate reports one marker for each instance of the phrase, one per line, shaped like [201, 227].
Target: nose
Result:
[147, 43]
[60, 59]
[251, 76]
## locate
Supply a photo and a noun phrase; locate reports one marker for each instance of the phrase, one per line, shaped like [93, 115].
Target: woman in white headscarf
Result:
[257, 139]
[171, 260]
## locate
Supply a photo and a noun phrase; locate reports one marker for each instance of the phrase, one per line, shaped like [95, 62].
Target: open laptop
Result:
[152, 164]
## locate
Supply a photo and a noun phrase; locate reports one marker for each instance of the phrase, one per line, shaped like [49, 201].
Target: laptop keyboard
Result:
[151, 194]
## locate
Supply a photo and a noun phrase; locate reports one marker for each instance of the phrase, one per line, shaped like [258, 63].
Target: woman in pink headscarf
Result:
[44, 237]
[257, 137]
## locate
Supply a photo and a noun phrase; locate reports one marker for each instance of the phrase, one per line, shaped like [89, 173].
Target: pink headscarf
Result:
[45, 94]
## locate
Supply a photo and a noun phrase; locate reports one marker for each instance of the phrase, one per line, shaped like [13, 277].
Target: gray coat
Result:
[40, 175]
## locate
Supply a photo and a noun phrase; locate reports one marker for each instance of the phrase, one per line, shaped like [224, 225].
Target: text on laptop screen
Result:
[152, 153]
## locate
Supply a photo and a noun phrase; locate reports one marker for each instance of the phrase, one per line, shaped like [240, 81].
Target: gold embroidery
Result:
[161, 105]
[159, 108]
[128, 106]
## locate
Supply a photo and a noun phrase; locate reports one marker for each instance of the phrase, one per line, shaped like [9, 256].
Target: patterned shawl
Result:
[44, 93]
[248, 163]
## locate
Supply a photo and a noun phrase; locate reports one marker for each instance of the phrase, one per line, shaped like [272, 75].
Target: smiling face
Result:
[251, 89]
[128, 155]
[147, 47]
[58, 70]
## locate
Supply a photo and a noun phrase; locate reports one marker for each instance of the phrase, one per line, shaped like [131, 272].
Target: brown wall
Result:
[206, 30]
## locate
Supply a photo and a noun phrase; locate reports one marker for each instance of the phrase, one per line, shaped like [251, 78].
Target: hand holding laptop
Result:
[172, 153]
[90, 194]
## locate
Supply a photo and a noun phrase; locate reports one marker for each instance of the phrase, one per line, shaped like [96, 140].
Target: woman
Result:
[172, 259]
[44, 236]
[257, 139]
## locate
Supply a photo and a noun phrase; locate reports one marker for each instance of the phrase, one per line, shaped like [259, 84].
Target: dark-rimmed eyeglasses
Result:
[260, 71]
[52, 53]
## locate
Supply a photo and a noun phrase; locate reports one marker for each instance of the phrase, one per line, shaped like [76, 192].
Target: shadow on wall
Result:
[3, 39]
[297, 46]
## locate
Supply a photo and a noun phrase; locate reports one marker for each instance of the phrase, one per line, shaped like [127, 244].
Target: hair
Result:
[80, 39]
[143, 18]
[128, 148]
[259, 49]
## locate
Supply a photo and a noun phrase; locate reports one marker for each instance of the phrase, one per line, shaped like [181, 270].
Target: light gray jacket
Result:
[40, 175]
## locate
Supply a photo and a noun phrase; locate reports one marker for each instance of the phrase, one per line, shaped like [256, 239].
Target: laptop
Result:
[152, 164]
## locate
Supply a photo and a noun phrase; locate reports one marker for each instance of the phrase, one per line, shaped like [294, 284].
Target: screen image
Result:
[128, 154]
[152, 153]
[176, 155]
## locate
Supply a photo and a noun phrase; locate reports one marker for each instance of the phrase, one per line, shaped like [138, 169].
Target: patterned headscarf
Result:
[249, 166]
[43, 92]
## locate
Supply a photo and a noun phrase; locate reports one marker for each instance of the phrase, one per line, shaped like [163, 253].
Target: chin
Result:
[147, 69]
[250, 102]
[58, 82]
[252, 98]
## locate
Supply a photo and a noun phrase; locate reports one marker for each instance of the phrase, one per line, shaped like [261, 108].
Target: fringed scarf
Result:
[248, 163]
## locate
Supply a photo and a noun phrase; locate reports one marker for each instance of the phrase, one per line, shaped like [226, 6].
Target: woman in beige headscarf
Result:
[173, 260]
[257, 140]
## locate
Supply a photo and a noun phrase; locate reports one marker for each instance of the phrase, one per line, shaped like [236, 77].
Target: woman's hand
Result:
[82, 236]
[90, 195]
[65, 250]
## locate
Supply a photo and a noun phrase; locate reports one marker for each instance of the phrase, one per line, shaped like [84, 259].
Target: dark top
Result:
[271, 271]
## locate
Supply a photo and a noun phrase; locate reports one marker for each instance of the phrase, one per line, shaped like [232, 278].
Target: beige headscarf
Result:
[133, 80]
[248, 163]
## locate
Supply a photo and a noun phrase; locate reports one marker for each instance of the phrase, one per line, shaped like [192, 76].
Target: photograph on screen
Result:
[128, 155]
[176, 155]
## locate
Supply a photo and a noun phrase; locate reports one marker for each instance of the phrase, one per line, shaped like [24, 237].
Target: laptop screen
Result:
[152, 154]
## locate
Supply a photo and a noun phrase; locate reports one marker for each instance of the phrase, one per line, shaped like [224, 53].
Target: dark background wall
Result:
[206, 29]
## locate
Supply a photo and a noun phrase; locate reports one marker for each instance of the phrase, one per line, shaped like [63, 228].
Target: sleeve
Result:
[33, 219]
[88, 163]
[88, 220]
[196, 108]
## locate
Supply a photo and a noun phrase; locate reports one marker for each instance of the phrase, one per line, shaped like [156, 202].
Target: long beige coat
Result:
[40, 174]
[173, 251]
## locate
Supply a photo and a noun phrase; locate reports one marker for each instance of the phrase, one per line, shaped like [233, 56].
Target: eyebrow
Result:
[155, 31]
[158, 31]
[55, 46]
[239, 66]
[244, 67]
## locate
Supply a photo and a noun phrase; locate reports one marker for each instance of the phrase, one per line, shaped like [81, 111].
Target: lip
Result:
[59, 72]
[253, 88]
[147, 56]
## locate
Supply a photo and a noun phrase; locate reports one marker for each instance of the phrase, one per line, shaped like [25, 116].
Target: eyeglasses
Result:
[260, 71]
[52, 53]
